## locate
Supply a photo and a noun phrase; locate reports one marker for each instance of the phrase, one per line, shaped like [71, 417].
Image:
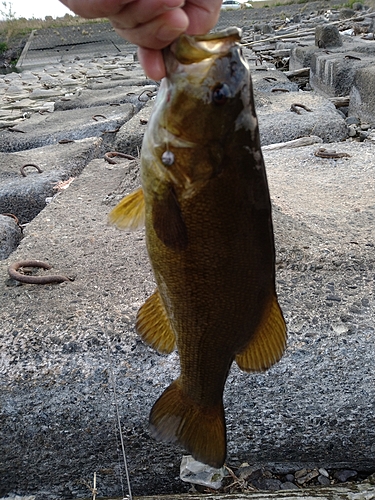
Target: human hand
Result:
[151, 24]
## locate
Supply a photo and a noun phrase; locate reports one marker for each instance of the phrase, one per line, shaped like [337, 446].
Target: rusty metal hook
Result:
[22, 169]
[111, 154]
[34, 280]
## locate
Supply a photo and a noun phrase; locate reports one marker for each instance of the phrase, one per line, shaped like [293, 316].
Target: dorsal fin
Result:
[129, 214]
[153, 325]
[268, 343]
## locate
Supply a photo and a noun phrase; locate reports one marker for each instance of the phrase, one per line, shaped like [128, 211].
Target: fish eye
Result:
[221, 94]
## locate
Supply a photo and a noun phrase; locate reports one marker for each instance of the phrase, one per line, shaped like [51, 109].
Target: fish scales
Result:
[207, 213]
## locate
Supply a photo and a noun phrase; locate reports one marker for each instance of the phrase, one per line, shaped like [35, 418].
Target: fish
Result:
[205, 204]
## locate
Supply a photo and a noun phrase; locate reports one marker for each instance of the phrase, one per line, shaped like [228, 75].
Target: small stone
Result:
[354, 309]
[289, 478]
[323, 472]
[288, 485]
[334, 298]
[352, 130]
[352, 120]
[300, 473]
[323, 480]
[308, 477]
[267, 484]
[344, 475]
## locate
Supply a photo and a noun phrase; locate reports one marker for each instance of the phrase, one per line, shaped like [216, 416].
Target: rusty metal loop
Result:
[114, 131]
[149, 93]
[22, 169]
[34, 280]
[95, 117]
[294, 107]
[13, 217]
[111, 154]
[326, 153]
[270, 79]
[66, 141]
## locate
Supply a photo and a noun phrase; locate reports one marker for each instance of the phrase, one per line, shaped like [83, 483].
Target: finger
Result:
[203, 16]
[152, 62]
[156, 34]
[137, 11]
[140, 12]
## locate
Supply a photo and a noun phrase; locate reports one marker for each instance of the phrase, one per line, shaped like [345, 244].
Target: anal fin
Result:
[153, 325]
[268, 342]
[130, 212]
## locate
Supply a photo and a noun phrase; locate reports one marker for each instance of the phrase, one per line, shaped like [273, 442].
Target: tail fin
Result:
[201, 430]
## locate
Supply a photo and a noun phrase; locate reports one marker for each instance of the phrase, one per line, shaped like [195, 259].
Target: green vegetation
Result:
[3, 47]
[13, 29]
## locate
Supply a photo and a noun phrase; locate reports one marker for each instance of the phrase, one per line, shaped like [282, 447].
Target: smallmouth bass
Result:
[206, 206]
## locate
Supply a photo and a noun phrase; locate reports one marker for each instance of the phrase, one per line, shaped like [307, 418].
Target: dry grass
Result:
[18, 28]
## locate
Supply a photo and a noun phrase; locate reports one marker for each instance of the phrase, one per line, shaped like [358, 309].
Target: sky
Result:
[36, 8]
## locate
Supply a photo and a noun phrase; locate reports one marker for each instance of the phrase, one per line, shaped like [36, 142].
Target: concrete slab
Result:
[45, 129]
[60, 343]
[278, 123]
[26, 196]
[55, 45]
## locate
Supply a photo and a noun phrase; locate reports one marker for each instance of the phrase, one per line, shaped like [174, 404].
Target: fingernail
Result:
[172, 7]
[167, 33]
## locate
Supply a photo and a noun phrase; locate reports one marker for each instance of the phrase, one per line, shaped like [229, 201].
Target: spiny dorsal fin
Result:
[268, 343]
[200, 429]
[130, 212]
[153, 325]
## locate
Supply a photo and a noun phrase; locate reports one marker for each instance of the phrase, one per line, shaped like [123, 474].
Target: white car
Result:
[230, 5]
[234, 5]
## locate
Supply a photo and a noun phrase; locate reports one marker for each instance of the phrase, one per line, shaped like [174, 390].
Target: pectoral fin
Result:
[130, 212]
[168, 222]
[153, 325]
[268, 343]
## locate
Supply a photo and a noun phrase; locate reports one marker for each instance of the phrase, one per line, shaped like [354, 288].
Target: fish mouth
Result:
[194, 49]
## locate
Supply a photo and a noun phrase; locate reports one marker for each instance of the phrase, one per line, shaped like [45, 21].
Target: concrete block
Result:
[26, 196]
[119, 94]
[362, 95]
[327, 35]
[42, 130]
[333, 74]
[271, 81]
[10, 236]
[277, 123]
[300, 57]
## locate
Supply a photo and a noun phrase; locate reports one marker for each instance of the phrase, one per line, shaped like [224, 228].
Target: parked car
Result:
[230, 5]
